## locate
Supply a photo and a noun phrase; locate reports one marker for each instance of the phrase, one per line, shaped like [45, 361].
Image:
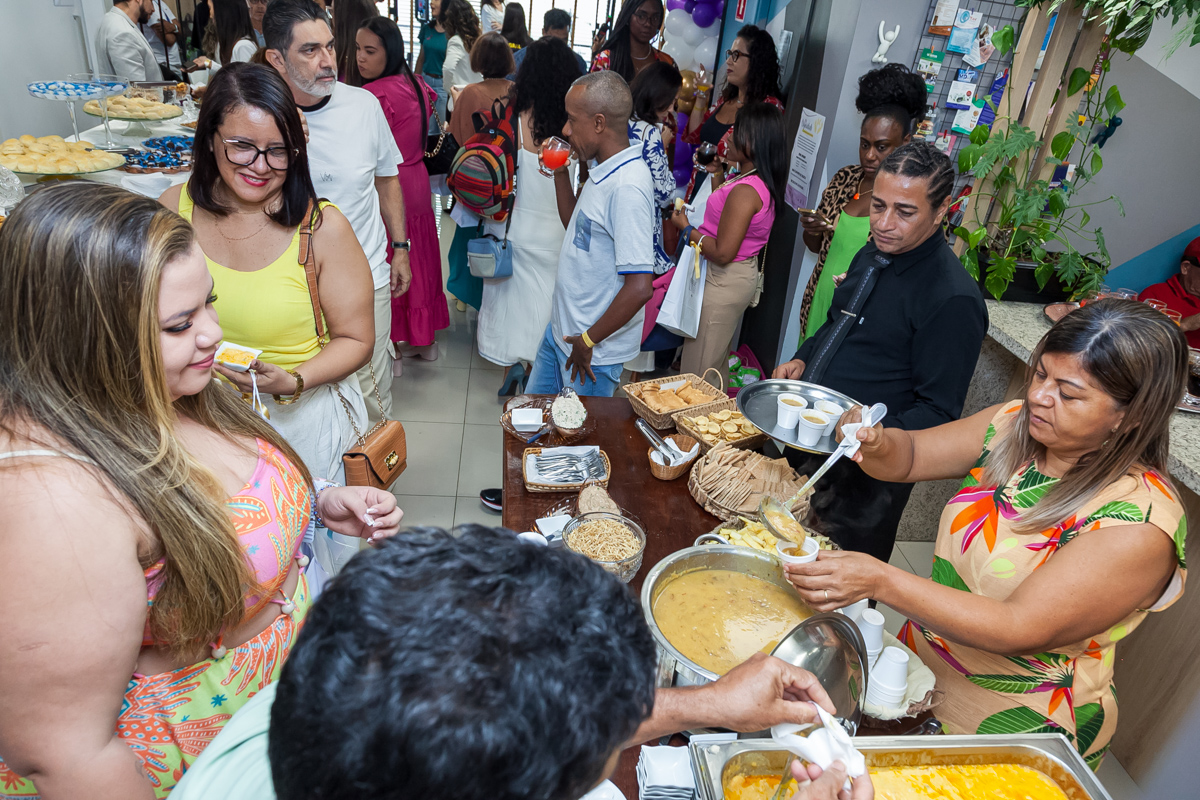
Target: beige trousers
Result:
[728, 291]
[382, 357]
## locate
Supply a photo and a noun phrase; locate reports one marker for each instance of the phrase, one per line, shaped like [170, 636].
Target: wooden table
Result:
[665, 509]
[671, 518]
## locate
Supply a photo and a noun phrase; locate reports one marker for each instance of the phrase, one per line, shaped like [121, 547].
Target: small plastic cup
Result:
[870, 624]
[790, 406]
[1157, 305]
[1173, 315]
[787, 551]
[855, 610]
[811, 427]
[831, 410]
[888, 678]
[533, 538]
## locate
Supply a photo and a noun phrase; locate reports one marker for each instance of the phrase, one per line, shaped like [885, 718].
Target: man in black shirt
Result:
[904, 329]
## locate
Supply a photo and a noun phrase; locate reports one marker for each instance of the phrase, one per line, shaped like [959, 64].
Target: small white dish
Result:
[228, 349]
[533, 538]
[527, 420]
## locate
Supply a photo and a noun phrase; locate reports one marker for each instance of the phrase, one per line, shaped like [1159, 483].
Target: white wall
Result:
[41, 40]
[1181, 66]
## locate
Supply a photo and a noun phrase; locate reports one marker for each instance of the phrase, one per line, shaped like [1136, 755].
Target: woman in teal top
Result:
[893, 101]
[429, 64]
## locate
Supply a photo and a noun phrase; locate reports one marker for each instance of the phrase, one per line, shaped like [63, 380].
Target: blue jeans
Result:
[440, 105]
[550, 373]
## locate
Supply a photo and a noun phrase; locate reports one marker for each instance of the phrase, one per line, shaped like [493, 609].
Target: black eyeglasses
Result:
[648, 19]
[734, 55]
[244, 154]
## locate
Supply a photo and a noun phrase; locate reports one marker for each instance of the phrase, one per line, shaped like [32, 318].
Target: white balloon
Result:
[677, 20]
[693, 34]
[687, 62]
[706, 52]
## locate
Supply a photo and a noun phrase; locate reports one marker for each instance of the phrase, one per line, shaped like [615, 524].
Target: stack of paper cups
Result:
[870, 622]
[889, 678]
[854, 610]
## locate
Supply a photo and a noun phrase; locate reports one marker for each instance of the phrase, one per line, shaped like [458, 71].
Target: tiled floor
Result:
[451, 416]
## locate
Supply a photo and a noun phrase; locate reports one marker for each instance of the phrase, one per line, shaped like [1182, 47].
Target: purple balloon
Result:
[674, 4]
[704, 15]
[688, 5]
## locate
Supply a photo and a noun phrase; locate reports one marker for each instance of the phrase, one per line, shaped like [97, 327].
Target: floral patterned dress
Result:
[1069, 690]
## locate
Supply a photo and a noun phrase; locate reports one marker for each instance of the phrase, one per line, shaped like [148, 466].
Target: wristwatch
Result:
[405, 245]
[296, 394]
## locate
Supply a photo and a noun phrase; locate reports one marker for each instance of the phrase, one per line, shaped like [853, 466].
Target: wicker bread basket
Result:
[562, 487]
[664, 473]
[665, 420]
[719, 509]
[684, 425]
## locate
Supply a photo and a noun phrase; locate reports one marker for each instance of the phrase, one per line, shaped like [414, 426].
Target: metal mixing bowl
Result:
[827, 645]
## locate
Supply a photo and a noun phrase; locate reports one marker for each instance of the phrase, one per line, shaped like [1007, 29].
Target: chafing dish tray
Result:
[1049, 752]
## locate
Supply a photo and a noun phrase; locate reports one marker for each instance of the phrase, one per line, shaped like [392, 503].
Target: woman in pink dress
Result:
[422, 311]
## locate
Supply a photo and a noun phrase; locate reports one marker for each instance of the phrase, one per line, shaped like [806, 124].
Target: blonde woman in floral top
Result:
[1065, 533]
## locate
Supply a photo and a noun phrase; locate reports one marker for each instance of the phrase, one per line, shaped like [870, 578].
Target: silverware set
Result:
[570, 468]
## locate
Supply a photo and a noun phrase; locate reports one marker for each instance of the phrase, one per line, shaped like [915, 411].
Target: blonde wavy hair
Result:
[80, 270]
[1139, 358]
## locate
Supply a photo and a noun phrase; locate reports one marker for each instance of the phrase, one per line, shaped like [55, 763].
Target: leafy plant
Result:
[1036, 220]
[1129, 21]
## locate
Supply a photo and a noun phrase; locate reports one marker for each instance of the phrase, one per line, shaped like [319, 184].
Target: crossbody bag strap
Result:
[308, 260]
[815, 371]
[516, 167]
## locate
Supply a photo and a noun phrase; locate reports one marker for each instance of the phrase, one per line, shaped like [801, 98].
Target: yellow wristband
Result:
[587, 340]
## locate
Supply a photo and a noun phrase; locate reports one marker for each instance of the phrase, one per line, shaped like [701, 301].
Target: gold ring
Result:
[826, 595]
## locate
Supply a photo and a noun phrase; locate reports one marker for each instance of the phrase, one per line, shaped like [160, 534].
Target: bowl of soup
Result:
[710, 608]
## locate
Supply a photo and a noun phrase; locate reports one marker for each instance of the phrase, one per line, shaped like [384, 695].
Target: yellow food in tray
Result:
[662, 401]
[954, 782]
[53, 155]
[234, 357]
[755, 535]
[133, 108]
[725, 425]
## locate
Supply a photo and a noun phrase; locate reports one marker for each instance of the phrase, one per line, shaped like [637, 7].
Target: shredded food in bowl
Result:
[604, 540]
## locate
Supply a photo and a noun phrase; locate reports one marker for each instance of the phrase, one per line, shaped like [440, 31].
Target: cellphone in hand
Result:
[810, 212]
[190, 66]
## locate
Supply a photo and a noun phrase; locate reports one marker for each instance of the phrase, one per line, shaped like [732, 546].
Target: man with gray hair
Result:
[352, 158]
[606, 264]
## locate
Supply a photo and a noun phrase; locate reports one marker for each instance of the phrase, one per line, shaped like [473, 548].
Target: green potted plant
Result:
[1038, 226]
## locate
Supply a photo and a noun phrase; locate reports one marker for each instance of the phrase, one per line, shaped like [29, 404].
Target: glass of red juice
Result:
[555, 153]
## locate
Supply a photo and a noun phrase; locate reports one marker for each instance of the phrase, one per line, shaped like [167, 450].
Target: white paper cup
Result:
[854, 610]
[810, 427]
[533, 538]
[888, 679]
[830, 409]
[811, 550]
[788, 414]
[870, 624]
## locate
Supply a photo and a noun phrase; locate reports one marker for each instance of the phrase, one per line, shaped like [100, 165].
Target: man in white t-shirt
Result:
[121, 49]
[352, 158]
[606, 264]
[153, 29]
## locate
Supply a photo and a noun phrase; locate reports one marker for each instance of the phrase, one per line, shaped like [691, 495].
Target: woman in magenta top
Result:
[737, 224]
[407, 103]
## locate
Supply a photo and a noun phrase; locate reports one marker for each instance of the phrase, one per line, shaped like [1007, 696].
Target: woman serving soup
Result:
[1065, 533]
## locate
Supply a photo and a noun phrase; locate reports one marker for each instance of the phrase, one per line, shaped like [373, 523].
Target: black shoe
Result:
[492, 498]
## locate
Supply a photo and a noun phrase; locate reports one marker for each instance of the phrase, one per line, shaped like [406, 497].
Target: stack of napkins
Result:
[665, 773]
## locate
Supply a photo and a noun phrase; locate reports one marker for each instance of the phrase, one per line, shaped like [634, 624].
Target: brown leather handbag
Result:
[381, 453]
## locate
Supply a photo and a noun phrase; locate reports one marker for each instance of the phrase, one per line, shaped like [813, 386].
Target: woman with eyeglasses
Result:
[628, 50]
[751, 76]
[249, 197]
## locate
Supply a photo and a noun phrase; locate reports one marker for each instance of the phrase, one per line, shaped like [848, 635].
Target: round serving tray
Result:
[111, 116]
[60, 174]
[759, 402]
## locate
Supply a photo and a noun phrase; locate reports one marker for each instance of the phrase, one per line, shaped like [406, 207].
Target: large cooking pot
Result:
[829, 646]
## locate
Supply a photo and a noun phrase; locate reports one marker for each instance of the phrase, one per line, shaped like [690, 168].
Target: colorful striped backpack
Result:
[481, 175]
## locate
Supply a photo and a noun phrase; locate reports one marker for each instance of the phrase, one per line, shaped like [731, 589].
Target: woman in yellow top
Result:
[247, 199]
[1065, 534]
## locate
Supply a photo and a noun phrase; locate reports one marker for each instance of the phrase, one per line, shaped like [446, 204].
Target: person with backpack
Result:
[408, 103]
[606, 264]
[492, 59]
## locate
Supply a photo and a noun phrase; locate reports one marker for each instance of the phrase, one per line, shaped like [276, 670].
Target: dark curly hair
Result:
[459, 19]
[477, 667]
[762, 78]
[920, 159]
[545, 75]
[894, 92]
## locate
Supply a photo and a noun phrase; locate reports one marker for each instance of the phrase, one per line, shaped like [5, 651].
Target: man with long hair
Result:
[352, 157]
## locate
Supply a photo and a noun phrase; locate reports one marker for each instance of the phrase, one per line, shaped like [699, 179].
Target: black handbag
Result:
[440, 147]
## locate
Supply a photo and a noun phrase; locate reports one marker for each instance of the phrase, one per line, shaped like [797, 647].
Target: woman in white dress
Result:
[515, 310]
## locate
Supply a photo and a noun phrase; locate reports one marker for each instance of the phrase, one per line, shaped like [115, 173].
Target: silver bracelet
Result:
[320, 485]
